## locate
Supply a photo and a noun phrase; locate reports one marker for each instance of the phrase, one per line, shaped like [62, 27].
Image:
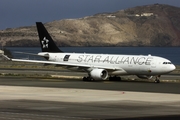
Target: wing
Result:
[62, 63]
[68, 64]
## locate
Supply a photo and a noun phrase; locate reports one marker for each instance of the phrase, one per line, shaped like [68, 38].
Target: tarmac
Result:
[43, 98]
[82, 95]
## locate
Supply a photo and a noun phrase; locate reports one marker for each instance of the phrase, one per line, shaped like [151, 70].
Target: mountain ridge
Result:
[149, 25]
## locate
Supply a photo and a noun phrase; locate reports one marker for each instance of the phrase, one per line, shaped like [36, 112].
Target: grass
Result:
[31, 66]
[26, 75]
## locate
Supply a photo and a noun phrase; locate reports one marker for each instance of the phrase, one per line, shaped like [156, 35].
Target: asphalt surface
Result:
[28, 109]
[137, 86]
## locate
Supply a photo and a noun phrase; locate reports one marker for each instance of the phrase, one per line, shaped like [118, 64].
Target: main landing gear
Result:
[115, 78]
[87, 79]
[157, 79]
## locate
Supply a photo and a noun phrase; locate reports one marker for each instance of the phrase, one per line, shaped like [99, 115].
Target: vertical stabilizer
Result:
[47, 43]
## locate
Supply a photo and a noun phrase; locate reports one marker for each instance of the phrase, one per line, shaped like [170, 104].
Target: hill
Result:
[149, 25]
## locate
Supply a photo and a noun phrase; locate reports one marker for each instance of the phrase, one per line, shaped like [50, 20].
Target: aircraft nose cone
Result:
[172, 67]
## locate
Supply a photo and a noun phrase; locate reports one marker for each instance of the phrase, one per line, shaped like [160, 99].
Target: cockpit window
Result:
[167, 63]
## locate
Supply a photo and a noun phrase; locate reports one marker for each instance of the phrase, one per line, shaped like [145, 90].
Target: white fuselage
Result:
[116, 64]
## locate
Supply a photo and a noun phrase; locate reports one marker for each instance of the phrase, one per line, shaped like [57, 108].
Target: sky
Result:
[19, 13]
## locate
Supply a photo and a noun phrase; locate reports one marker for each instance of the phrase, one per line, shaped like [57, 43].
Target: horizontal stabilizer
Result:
[6, 57]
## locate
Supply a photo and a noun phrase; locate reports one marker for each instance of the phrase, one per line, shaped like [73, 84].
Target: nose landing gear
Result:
[157, 79]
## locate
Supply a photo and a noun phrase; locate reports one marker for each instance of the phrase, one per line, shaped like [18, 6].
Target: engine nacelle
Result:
[145, 76]
[99, 74]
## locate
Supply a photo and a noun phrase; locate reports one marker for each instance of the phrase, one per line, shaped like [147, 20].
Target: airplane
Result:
[100, 66]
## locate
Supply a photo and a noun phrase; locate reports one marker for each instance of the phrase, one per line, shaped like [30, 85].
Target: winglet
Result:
[47, 43]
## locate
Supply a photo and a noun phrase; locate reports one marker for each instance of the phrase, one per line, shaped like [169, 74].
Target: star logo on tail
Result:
[45, 42]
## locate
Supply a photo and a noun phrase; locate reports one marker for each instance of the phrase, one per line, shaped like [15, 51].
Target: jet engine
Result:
[99, 74]
[145, 76]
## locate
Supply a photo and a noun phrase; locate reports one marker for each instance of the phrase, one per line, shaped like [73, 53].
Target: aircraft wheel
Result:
[118, 78]
[157, 81]
[114, 78]
[87, 79]
[84, 78]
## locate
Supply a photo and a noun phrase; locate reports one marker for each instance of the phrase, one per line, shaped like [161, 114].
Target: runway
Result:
[36, 98]
[136, 86]
[67, 99]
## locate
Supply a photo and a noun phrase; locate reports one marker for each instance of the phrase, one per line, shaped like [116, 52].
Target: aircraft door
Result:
[66, 57]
